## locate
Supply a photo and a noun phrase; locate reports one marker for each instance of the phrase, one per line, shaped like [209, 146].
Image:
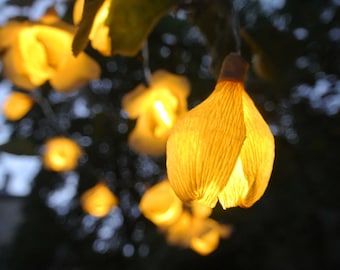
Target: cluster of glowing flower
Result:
[156, 109]
[99, 200]
[99, 34]
[222, 150]
[61, 154]
[192, 229]
[36, 52]
[17, 105]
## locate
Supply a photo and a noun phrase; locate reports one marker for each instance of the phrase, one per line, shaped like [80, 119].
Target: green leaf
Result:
[81, 39]
[19, 147]
[131, 21]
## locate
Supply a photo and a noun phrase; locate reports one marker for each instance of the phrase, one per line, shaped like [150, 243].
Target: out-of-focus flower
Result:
[206, 234]
[36, 52]
[161, 205]
[17, 105]
[188, 227]
[200, 234]
[99, 34]
[222, 149]
[61, 154]
[99, 200]
[156, 109]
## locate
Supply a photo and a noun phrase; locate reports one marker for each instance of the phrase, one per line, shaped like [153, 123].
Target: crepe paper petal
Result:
[222, 149]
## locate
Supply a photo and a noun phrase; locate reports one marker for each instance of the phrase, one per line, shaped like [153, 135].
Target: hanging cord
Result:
[47, 110]
[146, 66]
[235, 25]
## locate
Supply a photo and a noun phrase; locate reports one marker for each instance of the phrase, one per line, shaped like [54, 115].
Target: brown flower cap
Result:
[234, 68]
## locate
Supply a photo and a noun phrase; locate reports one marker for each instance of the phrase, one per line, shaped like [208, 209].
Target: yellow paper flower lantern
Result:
[161, 205]
[36, 52]
[200, 234]
[206, 235]
[17, 105]
[99, 34]
[179, 233]
[222, 150]
[99, 200]
[188, 227]
[61, 154]
[156, 109]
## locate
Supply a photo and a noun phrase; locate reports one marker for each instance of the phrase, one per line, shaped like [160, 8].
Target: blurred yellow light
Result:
[17, 105]
[161, 205]
[200, 210]
[156, 109]
[201, 234]
[99, 200]
[180, 232]
[61, 154]
[99, 34]
[163, 114]
[206, 237]
[36, 52]
[222, 150]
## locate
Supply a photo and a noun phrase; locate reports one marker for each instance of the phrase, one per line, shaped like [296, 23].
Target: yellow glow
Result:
[99, 200]
[61, 154]
[207, 237]
[236, 189]
[221, 150]
[163, 114]
[161, 205]
[200, 210]
[17, 105]
[99, 34]
[201, 234]
[204, 145]
[36, 52]
[179, 233]
[78, 11]
[156, 109]
[34, 57]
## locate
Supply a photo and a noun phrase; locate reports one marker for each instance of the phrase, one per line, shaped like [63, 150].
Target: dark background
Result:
[295, 84]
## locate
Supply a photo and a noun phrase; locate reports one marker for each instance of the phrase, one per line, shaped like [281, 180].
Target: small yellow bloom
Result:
[36, 52]
[222, 150]
[99, 200]
[200, 234]
[61, 154]
[206, 235]
[161, 205]
[99, 34]
[17, 106]
[156, 109]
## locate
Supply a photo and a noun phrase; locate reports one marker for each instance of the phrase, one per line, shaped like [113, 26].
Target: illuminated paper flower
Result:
[156, 109]
[161, 205]
[200, 234]
[99, 34]
[179, 233]
[99, 200]
[61, 154]
[206, 235]
[222, 150]
[36, 52]
[17, 105]
[187, 227]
